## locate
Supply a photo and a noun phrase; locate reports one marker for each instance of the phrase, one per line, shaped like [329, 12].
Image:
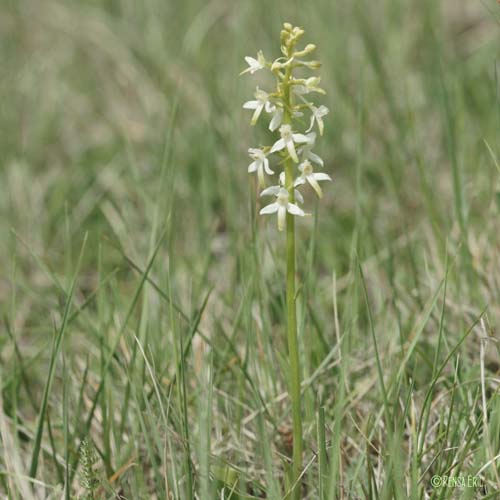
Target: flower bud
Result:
[314, 64]
[298, 32]
[308, 49]
[276, 66]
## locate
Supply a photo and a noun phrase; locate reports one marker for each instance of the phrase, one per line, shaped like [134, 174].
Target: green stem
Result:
[293, 348]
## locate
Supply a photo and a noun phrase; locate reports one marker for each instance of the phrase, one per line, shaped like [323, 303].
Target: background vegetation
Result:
[142, 300]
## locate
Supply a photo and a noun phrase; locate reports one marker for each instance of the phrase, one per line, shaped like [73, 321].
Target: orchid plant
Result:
[287, 105]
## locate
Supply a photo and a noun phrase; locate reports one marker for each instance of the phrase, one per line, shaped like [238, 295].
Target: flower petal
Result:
[278, 146]
[257, 112]
[253, 166]
[311, 137]
[321, 176]
[295, 210]
[253, 65]
[291, 149]
[281, 217]
[311, 124]
[315, 159]
[251, 61]
[251, 105]
[260, 174]
[276, 120]
[322, 111]
[321, 125]
[300, 138]
[298, 196]
[269, 209]
[266, 167]
[314, 184]
[271, 190]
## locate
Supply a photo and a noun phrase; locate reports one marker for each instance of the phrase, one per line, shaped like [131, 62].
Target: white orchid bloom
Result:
[276, 119]
[288, 140]
[308, 175]
[280, 206]
[306, 153]
[259, 165]
[261, 101]
[317, 116]
[255, 64]
[297, 194]
[308, 85]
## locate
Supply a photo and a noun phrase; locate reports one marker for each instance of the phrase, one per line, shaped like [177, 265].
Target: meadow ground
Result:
[142, 300]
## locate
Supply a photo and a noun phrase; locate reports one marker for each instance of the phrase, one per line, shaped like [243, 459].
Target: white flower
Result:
[306, 153]
[288, 138]
[297, 194]
[259, 165]
[262, 101]
[317, 116]
[311, 177]
[281, 205]
[277, 118]
[255, 64]
[308, 85]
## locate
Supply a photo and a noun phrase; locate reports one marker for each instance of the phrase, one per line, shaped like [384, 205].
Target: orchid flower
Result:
[308, 175]
[288, 140]
[260, 164]
[261, 101]
[306, 153]
[281, 205]
[317, 116]
[277, 118]
[255, 64]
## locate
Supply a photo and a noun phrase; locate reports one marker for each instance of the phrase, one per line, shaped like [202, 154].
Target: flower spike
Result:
[285, 107]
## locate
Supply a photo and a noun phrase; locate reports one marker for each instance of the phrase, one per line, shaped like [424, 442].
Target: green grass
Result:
[142, 300]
